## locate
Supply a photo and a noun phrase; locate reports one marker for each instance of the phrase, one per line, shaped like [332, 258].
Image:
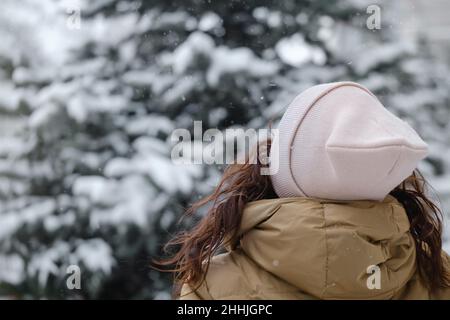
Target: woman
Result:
[342, 215]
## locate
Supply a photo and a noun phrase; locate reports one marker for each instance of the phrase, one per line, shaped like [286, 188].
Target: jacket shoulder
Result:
[234, 276]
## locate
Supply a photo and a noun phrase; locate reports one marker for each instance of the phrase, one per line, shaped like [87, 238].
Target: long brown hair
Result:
[425, 219]
[243, 183]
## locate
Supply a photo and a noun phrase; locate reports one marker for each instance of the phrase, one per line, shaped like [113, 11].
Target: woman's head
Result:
[348, 148]
[337, 141]
[243, 183]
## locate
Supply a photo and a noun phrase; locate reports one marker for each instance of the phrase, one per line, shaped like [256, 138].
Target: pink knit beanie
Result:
[337, 141]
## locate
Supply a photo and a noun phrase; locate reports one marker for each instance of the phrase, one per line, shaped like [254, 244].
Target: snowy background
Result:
[90, 92]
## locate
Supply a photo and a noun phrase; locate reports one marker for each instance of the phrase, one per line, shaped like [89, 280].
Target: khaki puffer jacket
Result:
[303, 248]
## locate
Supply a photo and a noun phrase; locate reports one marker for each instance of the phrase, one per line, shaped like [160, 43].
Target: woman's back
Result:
[302, 248]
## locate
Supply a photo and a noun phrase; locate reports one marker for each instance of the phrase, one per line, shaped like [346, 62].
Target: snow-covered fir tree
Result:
[88, 179]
